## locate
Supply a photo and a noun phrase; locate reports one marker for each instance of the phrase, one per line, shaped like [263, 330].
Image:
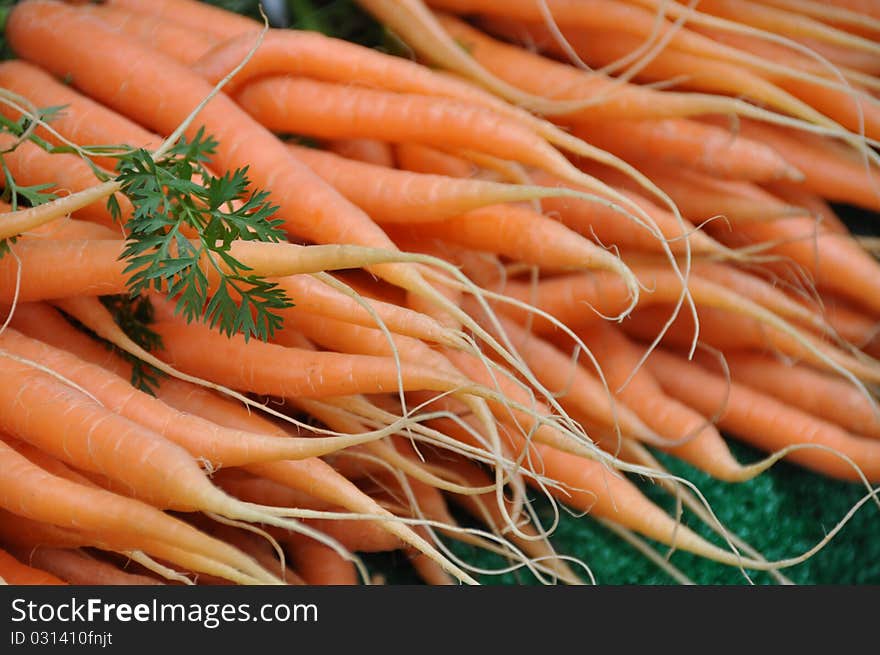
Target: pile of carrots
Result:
[559, 237]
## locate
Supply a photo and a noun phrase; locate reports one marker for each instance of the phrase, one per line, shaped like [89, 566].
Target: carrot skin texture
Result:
[765, 422]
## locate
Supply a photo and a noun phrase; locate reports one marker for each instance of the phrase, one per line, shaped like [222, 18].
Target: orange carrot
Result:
[580, 393]
[196, 15]
[84, 121]
[528, 237]
[203, 439]
[76, 567]
[815, 393]
[675, 142]
[318, 564]
[590, 487]
[690, 437]
[257, 367]
[698, 73]
[304, 106]
[420, 158]
[834, 262]
[368, 151]
[27, 490]
[766, 422]
[829, 168]
[166, 35]
[15, 573]
[65, 173]
[404, 197]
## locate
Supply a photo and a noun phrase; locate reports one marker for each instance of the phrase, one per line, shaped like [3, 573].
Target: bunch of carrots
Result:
[272, 300]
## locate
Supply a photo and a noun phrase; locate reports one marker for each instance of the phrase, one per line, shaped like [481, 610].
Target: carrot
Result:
[304, 106]
[679, 142]
[724, 330]
[810, 391]
[171, 478]
[84, 121]
[854, 19]
[166, 35]
[699, 73]
[365, 536]
[529, 237]
[311, 374]
[601, 97]
[97, 268]
[577, 299]
[829, 169]
[257, 546]
[483, 509]
[315, 297]
[14, 572]
[816, 205]
[777, 21]
[203, 439]
[637, 22]
[16, 530]
[579, 391]
[195, 15]
[589, 487]
[66, 174]
[833, 261]
[368, 151]
[27, 490]
[77, 567]
[403, 197]
[318, 564]
[420, 158]
[689, 436]
[311, 475]
[767, 423]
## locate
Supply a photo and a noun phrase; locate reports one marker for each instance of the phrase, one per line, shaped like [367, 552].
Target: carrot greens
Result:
[178, 192]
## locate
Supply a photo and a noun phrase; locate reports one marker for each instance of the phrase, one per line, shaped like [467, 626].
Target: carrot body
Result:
[166, 34]
[766, 422]
[677, 142]
[830, 169]
[300, 105]
[257, 367]
[77, 568]
[406, 197]
[523, 235]
[88, 437]
[29, 491]
[196, 15]
[700, 443]
[420, 158]
[834, 261]
[547, 77]
[84, 121]
[368, 151]
[66, 173]
[821, 395]
[201, 438]
[698, 73]
[16, 573]
[320, 565]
